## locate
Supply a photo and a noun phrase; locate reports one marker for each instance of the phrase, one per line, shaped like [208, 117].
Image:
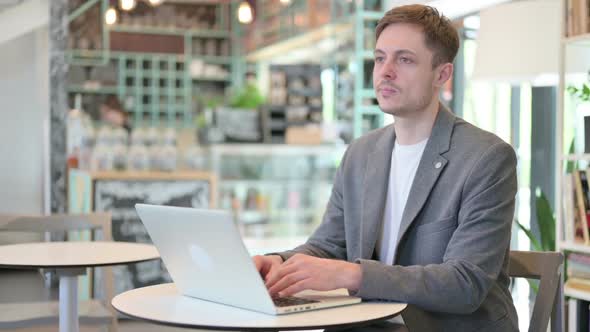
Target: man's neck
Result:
[416, 127]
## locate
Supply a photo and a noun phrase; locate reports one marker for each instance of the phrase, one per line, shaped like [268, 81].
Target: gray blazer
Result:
[451, 262]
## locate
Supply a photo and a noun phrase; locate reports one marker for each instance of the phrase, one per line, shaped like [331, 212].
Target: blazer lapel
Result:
[376, 183]
[431, 166]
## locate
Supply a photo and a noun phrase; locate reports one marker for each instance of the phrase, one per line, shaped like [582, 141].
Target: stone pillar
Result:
[58, 69]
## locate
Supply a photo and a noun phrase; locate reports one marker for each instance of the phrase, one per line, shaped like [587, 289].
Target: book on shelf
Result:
[579, 258]
[578, 284]
[580, 207]
[569, 215]
[579, 315]
[577, 17]
[578, 266]
[578, 274]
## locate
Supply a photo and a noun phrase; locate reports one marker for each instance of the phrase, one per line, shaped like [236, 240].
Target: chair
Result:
[547, 267]
[16, 315]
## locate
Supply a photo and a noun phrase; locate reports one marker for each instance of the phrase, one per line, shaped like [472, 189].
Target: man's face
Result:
[403, 77]
[112, 116]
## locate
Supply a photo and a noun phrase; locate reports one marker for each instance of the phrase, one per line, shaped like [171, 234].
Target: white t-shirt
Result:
[404, 163]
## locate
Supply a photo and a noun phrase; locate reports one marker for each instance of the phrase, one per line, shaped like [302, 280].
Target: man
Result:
[421, 210]
[112, 112]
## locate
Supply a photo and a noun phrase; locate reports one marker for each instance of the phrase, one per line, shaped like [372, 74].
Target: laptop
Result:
[206, 258]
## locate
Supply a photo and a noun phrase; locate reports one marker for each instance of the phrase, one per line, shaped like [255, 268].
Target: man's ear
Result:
[443, 73]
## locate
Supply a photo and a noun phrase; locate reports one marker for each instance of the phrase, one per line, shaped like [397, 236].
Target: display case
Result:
[275, 190]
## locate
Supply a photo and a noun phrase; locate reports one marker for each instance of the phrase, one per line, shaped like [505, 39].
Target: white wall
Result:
[24, 114]
[23, 18]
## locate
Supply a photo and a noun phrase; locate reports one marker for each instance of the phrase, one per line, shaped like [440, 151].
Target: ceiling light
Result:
[127, 4]
[245, 13]
[155, 2]
[285, 2]
[110, 16]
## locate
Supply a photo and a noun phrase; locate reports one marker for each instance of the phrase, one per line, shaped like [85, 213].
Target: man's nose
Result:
[389, 71]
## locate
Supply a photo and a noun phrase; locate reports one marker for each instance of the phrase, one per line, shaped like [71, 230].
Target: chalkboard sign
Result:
[120, 196]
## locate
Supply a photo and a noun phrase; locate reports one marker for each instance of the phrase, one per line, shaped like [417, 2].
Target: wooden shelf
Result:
[578, 290]
[583, 39]
[575, 247]
[149, 175]
[203, 33]
[575, 293]
[283, 183]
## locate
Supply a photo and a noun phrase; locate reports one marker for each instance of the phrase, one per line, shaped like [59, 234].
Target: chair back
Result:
[547, 268]
[100, 221]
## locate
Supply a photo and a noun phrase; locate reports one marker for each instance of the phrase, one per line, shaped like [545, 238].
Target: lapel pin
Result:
[438, 165]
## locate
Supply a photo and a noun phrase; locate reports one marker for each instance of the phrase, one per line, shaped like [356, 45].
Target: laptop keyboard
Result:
[291, 300]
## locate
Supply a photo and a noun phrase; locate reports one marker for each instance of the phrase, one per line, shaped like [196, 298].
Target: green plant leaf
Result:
[572, 90]
[570, 165]
[529, 234]
[582, 93]
[545, 220]
[248, 98]
[534, 285]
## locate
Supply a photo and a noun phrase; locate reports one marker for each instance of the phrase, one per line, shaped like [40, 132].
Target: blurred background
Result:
[249, 106]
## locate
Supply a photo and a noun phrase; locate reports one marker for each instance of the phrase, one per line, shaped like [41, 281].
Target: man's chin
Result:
[391, 110]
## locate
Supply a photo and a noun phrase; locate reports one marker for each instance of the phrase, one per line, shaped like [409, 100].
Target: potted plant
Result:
[240, 121]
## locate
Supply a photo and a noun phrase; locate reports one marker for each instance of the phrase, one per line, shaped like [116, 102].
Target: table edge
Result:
[73, 266]
[282, 328]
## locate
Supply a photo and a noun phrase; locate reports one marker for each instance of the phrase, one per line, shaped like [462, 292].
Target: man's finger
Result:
[270, 270]
[295, 288]
[258, 264]
[287, 281]
[279, 272]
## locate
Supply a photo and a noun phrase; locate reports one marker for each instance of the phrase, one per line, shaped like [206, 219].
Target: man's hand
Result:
[267, 264]
[302, 272]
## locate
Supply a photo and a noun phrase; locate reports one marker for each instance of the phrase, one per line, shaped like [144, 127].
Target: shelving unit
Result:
[160, 87]
[155, 85]
[294, 100]
[575, 292]
[367, 115]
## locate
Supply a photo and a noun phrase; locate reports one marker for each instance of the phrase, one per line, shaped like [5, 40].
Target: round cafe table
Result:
[69, 260]
[163, 304]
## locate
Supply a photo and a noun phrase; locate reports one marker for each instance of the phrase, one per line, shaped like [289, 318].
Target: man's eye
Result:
[379, 59]
[405, 60]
